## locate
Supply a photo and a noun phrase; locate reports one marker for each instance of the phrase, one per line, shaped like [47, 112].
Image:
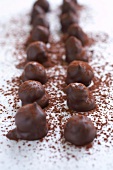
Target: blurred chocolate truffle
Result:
[37, 10]
[75, 50]
[36, 51]
[69, 6]
[67, 19]
[76, 31]
[40, 20]
[44, 4]
[34, 71]
[80, 72]
[79, 98]
[40, 33]
[30, 123]
[79, 130]
[33, 91]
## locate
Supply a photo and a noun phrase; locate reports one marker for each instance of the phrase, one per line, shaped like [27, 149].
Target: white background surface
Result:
[98, 17]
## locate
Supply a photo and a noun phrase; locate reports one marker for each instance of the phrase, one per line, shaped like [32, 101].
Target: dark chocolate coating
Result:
[33, 91]
[69, 6]
[79, 130]
[75, 50]
[37, 10]
[80, 72]
[36, 51]
[40, 33]
[44, 4]
[34, 71]
[76, 31]
[75, 1]
[40, 20]
[79, 98]
[67, 19]
[30, 123]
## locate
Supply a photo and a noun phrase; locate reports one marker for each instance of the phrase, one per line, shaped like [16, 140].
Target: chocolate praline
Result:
[37, 10]
[79, 98]
[79, 130]
[76, 30]
[30, 123]
[80, 72]
[40, 20]
[37, 51]
[44, 4]
[67, 19]
[40, 33]
[34, 71]
[75, 50]
[69, 6]
[33, 91]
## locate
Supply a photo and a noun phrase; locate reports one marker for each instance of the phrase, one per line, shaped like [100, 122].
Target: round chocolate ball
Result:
[34, 71]
[74, 50]
[37, 51]
[79, 130]
[67, 19]
[37, 10]
[79, 98]
[76, 31]
[40, 20]
[30, 122]
[40, 33]
[33, 91]
[44, 4]
[79, 71]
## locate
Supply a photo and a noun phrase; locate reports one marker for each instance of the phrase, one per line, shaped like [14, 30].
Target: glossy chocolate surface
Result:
[44, 4]
[40, 20]
[79, 71]
[69, 6]
[40, 33]
[76, 31]
[34, 71]
[30, 123]
[75, 50]
[33, 91]
[37, 52]
[79, 98]
[79, 130]
[67, 19]
[37, 10]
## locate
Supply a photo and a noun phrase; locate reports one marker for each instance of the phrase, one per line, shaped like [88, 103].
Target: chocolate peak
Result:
[79, 98]
[34, 71]
[30, 123]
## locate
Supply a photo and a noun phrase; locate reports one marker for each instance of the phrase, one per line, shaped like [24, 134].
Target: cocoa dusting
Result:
[57, 111]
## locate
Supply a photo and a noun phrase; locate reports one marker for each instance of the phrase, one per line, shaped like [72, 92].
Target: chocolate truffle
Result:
[80, 72]
[40, 33]
[30, 123]
[36, 51]
[37, 10]
[76, 31]
[33, 91]
[44, 4]
[40, 20]
[67, 19]
[34, 71]
[79, 130]
[79, 98]
[75, 50]
[69, 6]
